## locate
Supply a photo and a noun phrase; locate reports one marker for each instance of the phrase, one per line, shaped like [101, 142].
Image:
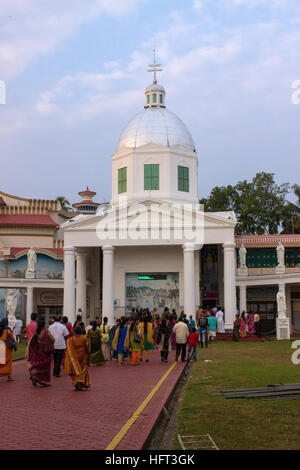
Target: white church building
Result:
[147, 247]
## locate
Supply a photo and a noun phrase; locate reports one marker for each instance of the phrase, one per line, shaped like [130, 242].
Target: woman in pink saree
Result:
[251, 327]
[39, 356]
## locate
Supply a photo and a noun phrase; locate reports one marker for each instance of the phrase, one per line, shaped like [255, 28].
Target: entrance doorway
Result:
[47, 313]
[267, 313]
[296, 314]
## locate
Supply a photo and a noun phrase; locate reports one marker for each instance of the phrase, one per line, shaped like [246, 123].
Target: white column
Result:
[29, 304]
[243, 298]
[108, 284]
[189, 279]
[229, 285]
[69, 283]
[81, 282]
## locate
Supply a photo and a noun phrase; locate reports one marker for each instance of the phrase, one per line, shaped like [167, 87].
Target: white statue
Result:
[280, 254]
[242, 256]
[281, 302]
[31, 260]
[11, 304]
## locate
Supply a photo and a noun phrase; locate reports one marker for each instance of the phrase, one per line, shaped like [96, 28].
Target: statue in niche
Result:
[280, 254]
[242, 256]
[31, 260]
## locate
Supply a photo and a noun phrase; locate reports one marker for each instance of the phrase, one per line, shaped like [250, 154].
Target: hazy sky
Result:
[75, 72]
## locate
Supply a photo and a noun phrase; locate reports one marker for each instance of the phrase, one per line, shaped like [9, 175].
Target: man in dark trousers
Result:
[203, 325]
[60, 334]
[181, 331]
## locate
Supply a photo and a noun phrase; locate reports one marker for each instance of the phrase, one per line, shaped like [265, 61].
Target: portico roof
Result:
[83, 231]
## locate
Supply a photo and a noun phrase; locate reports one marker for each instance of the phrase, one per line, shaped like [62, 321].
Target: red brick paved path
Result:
[59, 418]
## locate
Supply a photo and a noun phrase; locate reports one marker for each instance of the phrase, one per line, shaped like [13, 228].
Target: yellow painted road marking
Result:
[123, 431]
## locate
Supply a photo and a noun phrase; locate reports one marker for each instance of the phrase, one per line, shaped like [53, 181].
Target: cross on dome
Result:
[155, 93]
[154, 68]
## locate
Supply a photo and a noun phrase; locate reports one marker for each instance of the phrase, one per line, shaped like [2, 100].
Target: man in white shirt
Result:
[59, 333]
[18, 329]
[181, 331]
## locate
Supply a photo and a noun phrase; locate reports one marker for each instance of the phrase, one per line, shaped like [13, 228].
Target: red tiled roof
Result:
[260, 241]
[29, 220]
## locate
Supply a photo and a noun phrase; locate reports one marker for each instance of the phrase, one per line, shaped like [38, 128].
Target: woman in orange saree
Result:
[5, 352]
[76, 360]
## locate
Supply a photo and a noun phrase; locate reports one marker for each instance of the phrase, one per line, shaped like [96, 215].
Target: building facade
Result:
[151, 246]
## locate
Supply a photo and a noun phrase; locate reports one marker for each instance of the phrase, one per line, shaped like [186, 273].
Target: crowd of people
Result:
[246, 324]
[76, 347]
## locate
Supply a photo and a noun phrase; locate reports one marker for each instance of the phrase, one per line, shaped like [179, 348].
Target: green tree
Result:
[65, 204]
[291, 214]
[258, 204]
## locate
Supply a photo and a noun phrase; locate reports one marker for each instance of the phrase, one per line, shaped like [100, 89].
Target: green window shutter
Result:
[183, 179]
[148, 99]
[122, 180]
[154, 97]
[161, 99]
[151, 177]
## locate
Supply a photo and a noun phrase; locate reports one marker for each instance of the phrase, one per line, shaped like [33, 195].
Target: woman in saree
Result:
[39, 355]
[120, 342]
[236, 328]
[147, 342]
[163, 339]
[111, 338]
[95, 350]
[251, 324]
[5, 352]
[77, 360]
[135, 334]
[105, 343]
[243, 333]
[172, 324]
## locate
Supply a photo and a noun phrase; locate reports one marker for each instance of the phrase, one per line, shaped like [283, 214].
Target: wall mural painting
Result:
[152, 290]
[17, 267]
[2, 269]
[46, 267]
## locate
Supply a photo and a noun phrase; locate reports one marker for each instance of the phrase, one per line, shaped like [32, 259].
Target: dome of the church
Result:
[155, 87]
[155, 125]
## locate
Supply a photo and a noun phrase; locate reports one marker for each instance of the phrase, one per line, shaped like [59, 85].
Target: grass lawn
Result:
[20, 353]
[246, 423]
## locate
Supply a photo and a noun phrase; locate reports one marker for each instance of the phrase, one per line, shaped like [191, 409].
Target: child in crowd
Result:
[193, 340]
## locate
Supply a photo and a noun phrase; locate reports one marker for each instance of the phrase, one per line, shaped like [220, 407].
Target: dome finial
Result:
[154, 67]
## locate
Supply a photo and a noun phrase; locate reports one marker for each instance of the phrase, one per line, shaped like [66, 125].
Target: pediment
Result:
[152, 210]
